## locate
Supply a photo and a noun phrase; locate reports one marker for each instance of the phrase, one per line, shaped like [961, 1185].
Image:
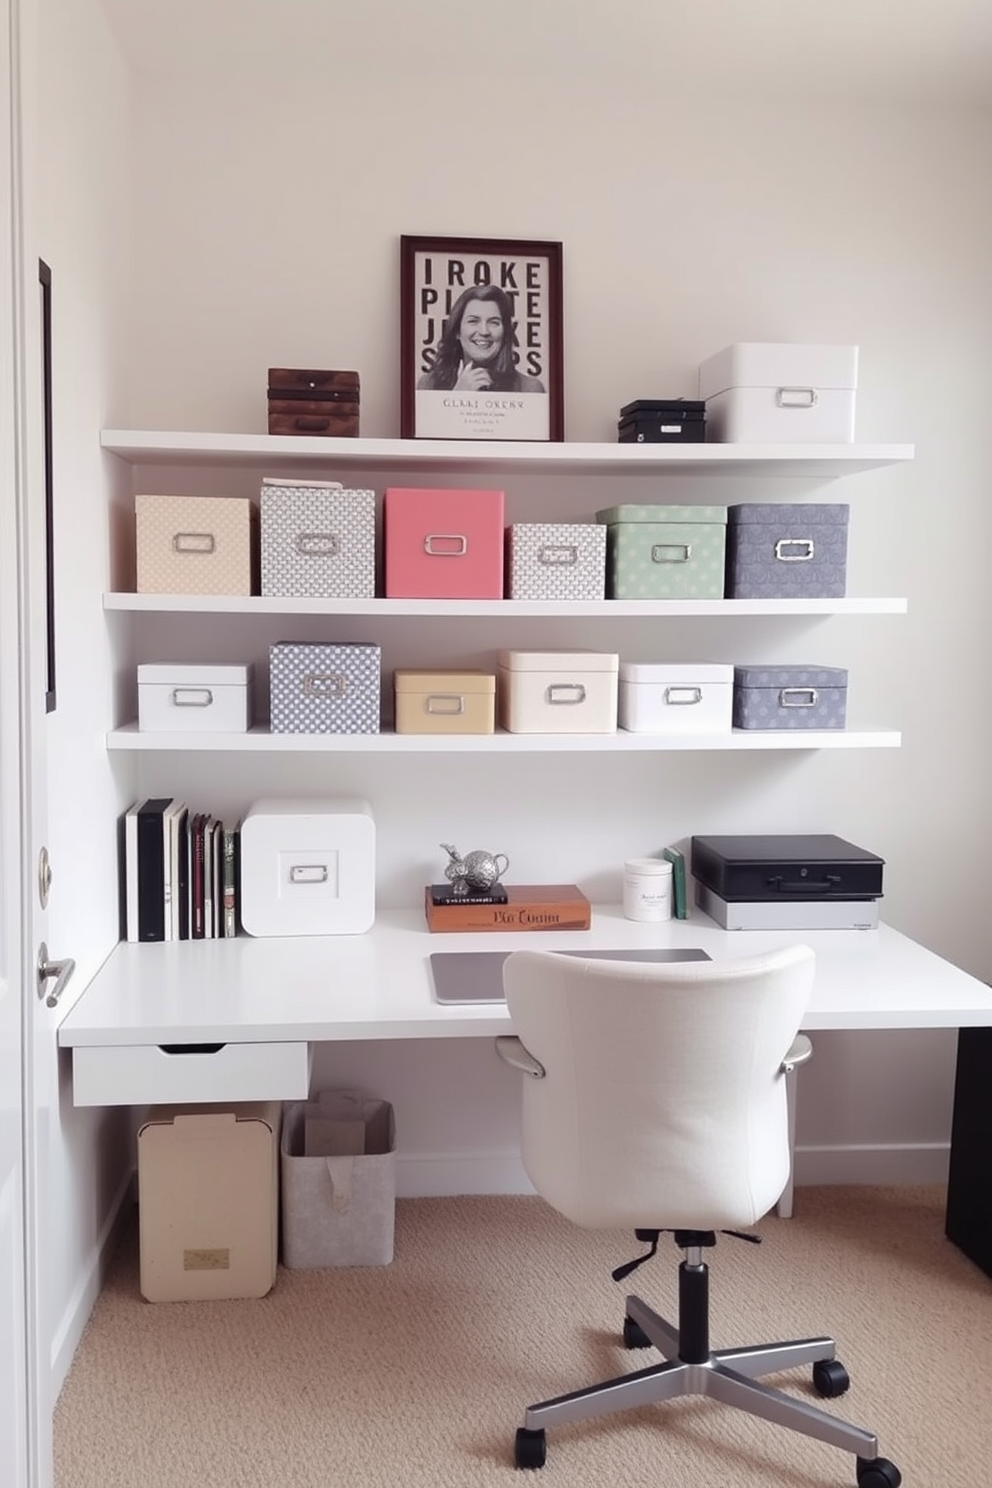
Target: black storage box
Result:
[797, 866]
[662, 421]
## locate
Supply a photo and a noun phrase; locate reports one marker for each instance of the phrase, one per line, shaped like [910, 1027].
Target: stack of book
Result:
[180, 873]
[515, 907]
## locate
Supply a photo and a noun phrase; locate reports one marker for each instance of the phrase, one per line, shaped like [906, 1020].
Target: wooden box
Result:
[303, 401]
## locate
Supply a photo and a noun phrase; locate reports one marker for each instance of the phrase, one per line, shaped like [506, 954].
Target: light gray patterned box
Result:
[317, 540]
[556, 560]
[787, 550]
[338, 1171]
[324, 688]
[790, 697]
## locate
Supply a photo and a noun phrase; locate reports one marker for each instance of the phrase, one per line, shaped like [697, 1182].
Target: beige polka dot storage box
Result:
[324, 688]
[665, 552]
[196, 545]
[790, 697]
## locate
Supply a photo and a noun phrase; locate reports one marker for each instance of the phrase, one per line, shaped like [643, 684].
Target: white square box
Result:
[664, 697]
[180, 698]
[780, 392]
[317, 540]
[308, 867]
[556, 560]
[557, 692]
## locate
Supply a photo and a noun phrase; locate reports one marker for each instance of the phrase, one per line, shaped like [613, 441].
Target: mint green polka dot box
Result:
[665, 552]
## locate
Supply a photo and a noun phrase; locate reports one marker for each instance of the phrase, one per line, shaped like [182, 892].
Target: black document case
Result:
[796, 866]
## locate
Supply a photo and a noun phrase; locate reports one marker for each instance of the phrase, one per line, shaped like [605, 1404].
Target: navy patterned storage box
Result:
[324, 689]
[789, 697]
[787, 550]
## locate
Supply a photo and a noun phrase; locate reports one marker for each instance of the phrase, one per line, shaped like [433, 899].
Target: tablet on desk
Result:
[477, 976]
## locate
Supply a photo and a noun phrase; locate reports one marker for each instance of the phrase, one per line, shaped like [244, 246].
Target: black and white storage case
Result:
[790, 881]
[662, 421]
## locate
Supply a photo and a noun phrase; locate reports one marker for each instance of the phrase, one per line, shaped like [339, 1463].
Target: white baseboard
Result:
[886, 1165]
[70, 1329]
[444, 1175]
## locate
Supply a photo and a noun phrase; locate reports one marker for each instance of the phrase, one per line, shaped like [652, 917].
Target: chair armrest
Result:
[802, 1049]
[511, 1051]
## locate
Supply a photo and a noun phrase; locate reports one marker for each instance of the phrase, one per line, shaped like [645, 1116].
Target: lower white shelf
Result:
[260, 740]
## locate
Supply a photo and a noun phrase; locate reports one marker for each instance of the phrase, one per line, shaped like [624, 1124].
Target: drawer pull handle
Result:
[447, 704]
[192, 697]
[446, 544]
[325, 684]
[803, 546]
[192, 1048]
[308, 873]
[795, 397]
[568, 693]
[798, 697]
[558, 555]
[194, 542]
[671, 552]
[312, 425]
[679, 697]
[318, 544]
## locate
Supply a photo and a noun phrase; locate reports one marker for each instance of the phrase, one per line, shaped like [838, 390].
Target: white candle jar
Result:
[647, 889]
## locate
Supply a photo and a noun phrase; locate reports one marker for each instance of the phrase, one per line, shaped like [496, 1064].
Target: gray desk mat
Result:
[477, 976]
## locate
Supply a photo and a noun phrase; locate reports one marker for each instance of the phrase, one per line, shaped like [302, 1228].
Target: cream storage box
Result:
[557, 692]
[444, 702]
[196, 545]
[183, 698]
[555, 560]
[665, 552]
[780, 392]
[324, 688]
[308, 866]
[317, 540]
[208, 1201]
[665, 697]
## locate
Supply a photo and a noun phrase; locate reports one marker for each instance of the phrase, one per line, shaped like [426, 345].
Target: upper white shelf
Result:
[238, 604]
[149, 447]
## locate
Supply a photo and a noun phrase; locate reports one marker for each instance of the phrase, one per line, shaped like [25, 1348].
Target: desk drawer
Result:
[152, 1074]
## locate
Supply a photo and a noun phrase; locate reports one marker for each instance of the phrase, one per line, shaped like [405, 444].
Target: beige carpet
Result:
[415, 1375]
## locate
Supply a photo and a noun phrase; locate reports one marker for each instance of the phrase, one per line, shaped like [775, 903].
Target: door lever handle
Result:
[60, 970]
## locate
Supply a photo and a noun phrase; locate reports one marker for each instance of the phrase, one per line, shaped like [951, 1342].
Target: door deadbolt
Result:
[44, 877]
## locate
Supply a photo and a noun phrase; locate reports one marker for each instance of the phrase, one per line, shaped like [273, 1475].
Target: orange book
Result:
[527, 907]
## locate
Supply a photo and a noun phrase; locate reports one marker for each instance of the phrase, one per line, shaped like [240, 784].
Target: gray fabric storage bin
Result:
[338, 1176]
[787, 550]
[789, 697]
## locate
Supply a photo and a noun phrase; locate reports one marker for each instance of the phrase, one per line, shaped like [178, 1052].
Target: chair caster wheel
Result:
[531, 1448]
[878, 1472]
[634, 1335]
[830, 1378]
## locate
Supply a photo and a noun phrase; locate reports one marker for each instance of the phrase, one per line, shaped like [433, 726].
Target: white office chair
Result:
[655, 1097]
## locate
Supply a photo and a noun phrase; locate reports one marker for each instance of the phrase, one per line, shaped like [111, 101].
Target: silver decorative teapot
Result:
[475, 873]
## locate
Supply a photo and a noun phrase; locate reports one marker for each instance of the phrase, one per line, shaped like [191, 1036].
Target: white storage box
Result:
[557, 692]
[556, 560]
[308, 867]
[208, 1201]
[666, 697]
[338, 1168]
[317, 540]
[194, 699]
[773, 392]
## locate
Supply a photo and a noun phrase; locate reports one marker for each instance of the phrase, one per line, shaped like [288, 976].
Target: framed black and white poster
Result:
[481, 339]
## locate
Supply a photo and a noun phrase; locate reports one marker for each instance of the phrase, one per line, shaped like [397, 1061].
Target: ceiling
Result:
[885, 50]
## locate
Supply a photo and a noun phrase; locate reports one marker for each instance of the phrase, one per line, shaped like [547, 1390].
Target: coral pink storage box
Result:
[443, 544]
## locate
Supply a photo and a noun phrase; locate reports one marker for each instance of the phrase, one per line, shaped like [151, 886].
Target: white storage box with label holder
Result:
[556, 560]
[780, 392]
[208, 1201]
[557, 692]
[196, 545]
[317, 540]
[666, 697]
[178, 697]
[308, 867]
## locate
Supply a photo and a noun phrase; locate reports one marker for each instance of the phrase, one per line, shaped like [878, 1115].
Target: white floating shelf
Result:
[260, 740]
[274, 452]
[503, 609]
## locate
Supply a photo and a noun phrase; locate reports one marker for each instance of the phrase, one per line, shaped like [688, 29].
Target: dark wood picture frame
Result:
[514, 387]
[45, 286]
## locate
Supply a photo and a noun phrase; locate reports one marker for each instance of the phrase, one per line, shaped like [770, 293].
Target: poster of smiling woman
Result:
[481, 339]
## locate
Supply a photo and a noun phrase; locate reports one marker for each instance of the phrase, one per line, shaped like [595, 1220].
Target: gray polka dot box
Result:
[323, 688]
[789, 697]
[317, 540]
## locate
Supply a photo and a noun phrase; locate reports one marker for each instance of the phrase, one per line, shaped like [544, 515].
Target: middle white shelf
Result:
[225, 604]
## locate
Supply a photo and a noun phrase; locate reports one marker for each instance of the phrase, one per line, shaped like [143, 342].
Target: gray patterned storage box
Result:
[556, 560]
[317, 540]
[790, 697]
[788, 550]
[338, 1172]
[665, 552]
[324, 688]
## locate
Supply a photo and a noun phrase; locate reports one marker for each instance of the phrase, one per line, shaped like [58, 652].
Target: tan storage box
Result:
[196, 545]
[338, 1181]
[444, 702]
[208, 1201]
